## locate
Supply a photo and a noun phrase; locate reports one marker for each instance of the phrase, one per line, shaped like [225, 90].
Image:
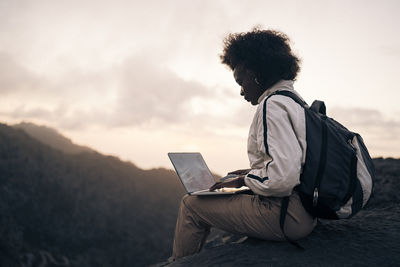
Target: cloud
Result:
[369, 122]
[390, 50]
[128, 94]
[364, 117]
[15, 78]
[56, 117]
[147, 91]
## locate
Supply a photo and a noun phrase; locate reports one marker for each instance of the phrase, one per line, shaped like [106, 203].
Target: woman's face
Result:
[250, 89]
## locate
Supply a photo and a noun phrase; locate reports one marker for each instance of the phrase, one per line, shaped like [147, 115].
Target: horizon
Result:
[57, 132]
[140, 79]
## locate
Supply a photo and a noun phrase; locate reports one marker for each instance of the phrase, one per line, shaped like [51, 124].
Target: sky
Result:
[138, 79]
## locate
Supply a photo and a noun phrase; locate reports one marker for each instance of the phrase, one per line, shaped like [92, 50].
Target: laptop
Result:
[196, 177]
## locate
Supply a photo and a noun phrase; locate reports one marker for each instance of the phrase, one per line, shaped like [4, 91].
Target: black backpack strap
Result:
[292, 95]
[319, 107]
[284, 207]
[285, 200]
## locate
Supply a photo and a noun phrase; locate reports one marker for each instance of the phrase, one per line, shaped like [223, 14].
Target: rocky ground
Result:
[370, 238]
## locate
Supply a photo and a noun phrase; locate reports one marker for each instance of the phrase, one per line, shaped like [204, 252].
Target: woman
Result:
[262, 63]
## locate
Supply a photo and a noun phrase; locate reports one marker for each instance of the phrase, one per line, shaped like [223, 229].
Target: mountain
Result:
[52, 138]
[87, 209]
[84, 209]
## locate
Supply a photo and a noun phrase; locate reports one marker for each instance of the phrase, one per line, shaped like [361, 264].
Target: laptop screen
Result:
[192, 170]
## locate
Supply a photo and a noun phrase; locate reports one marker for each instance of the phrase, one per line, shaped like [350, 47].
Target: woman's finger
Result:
[240, 172]
[215, 186]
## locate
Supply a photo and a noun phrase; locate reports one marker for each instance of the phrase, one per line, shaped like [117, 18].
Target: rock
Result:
[370, 238]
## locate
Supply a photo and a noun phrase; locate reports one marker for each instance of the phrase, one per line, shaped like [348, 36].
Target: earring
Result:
[256, 81]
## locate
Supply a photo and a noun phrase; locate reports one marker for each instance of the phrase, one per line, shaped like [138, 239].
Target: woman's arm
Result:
[280, 135]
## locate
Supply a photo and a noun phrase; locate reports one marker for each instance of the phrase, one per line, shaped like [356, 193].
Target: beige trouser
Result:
[250, 215]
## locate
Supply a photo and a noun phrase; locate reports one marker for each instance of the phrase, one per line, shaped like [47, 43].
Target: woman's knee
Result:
[194, 204]
[188, 201]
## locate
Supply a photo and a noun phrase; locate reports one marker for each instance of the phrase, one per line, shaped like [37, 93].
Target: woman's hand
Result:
[240, 172]
[237, 182]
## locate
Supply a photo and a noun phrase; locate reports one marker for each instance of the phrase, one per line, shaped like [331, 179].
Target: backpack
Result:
[338, 174]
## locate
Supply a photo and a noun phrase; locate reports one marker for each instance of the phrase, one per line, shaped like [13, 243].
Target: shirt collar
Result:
[279, 86]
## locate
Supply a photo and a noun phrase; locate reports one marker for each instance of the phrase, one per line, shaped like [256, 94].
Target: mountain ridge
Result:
[92, 209]
[51, 137]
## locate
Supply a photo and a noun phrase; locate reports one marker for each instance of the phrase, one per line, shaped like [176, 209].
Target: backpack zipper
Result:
[322, 162]
[353, 174]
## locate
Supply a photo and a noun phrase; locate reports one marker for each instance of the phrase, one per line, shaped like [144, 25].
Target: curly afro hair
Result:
[265, 52]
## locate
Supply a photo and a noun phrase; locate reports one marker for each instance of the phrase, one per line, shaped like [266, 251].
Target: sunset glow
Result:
[138, 79]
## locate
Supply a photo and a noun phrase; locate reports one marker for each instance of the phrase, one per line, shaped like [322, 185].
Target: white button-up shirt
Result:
[276, 144]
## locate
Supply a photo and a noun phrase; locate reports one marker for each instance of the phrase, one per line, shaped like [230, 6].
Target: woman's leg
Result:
[242, 214]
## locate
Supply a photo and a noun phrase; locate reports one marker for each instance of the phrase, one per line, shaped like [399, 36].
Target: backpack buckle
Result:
[315, 197]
